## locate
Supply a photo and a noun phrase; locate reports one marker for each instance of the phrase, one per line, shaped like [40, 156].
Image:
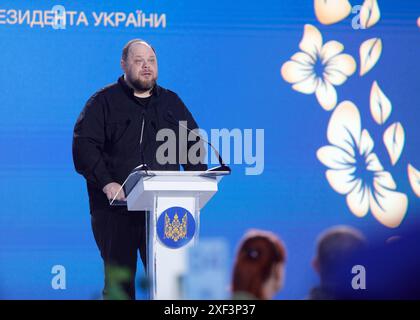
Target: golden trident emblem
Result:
[175, 230]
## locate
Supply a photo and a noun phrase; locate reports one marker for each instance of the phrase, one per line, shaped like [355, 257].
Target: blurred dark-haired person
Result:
[259, 267]
[336, 251]
[393, 265]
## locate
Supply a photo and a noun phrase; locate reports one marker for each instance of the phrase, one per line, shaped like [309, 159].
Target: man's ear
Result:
[122, 64]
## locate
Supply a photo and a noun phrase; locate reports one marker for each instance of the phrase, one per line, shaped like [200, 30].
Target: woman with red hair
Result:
[259, 267]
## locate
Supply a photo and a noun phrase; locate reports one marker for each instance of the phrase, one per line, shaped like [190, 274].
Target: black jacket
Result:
[106, 140]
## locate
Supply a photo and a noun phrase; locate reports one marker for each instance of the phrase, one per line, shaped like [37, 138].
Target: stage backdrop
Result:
[335, 89]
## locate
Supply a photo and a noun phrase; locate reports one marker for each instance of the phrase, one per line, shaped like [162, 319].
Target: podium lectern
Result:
[173, 200]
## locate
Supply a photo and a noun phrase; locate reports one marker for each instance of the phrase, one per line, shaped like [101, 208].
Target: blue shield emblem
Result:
[175, 227]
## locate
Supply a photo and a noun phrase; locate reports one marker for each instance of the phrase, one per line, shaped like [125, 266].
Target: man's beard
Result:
[143, 85]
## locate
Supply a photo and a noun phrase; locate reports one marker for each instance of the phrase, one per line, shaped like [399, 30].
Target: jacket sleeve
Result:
[88, 143]
[192, 124]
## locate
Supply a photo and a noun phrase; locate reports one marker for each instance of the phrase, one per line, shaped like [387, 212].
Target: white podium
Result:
[173, 200]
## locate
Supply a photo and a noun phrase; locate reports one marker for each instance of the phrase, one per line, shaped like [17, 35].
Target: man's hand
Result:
[111, 189]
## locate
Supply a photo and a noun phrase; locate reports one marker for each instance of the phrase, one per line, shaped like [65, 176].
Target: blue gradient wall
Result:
[224, 60]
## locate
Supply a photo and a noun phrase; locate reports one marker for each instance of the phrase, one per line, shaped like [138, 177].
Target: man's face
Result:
[141, 68]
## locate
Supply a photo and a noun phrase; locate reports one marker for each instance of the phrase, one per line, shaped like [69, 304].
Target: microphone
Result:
[223, 166]
[143, 166]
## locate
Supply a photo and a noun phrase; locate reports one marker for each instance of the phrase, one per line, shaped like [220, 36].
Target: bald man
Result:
[116, 132]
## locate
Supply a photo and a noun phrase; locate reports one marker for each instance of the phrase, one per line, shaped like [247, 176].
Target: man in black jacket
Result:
[116, 132]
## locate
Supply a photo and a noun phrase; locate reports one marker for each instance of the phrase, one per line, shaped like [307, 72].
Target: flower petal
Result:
[293, 71]
[373, 163]
[335, 77]
[358, 200]
[335, 158]
[344, 127]
[303, 58]
[385, 180]
[331, 49]
[344, 63]
[308, 85]
[331, 11]
[370, 51]
[388, 207]
[342, 181]
[380, 106]
[312, 41]
[326, 95]
[369, 14]
[414, 177]
[394, 140]
[366, 143]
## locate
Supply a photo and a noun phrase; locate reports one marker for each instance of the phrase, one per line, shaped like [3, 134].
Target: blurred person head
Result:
[259, 265]
[335, 252]
[393, 264]
[139, 62]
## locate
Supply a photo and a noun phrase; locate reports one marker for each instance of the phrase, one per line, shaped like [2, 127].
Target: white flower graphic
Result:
[318, 68]
[355, 171]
